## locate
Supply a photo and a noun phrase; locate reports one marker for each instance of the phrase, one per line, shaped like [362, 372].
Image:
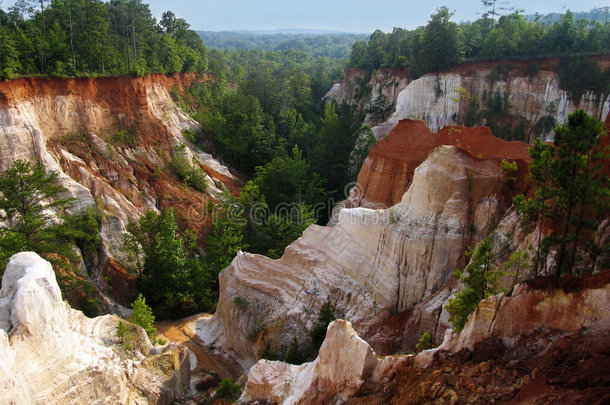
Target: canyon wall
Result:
[53, 354]
[374, 264]
[111, 141]
[444, 98]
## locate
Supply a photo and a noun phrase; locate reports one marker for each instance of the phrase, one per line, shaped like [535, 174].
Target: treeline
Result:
[328, 45]
[599, 14]
[442, 44]
[70, 37]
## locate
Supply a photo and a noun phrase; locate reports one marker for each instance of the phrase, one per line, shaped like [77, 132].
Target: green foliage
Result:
[440, 43]
[294, 355]
[571, 194]
[579, 75]
[190, 172]
[509, 172]
[318, 332]
[142, 315]
[9, 55]
[174, 281]
[480, 278]
[424, 343]
[227, 389]
[498, 34]
[121, 331]
[336, 46]
[516, 265]
[124, 138]
[579, 190]
[287, 180]
[27, 195]
[72, 37]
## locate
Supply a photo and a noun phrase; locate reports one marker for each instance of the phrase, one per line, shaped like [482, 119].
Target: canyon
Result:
[374, 263]
[427, 191]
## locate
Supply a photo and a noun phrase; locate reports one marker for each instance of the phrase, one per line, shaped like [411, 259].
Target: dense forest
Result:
[71, 37]
[335, 45]
[442, 44]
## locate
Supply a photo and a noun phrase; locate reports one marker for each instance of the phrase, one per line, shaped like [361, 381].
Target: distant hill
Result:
[601, 14]
[315, 42]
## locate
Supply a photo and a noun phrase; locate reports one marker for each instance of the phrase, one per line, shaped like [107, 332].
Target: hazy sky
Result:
[339, 15]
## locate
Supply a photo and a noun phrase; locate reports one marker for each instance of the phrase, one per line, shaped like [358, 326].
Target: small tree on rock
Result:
[481, 278]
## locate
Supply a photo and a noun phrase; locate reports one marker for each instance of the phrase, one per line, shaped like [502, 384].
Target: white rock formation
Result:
[52, 354]
[529, 97]
[345, 362]
[373, 264]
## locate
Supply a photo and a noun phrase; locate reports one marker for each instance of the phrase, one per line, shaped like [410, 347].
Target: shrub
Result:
[424, 343]
[227, 389]
[142, 315]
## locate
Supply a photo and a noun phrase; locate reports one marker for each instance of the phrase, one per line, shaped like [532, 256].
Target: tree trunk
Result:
[581, 214]
[564, 238]
[72, 41]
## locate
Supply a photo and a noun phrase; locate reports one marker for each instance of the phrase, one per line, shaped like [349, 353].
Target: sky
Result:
[339, 15]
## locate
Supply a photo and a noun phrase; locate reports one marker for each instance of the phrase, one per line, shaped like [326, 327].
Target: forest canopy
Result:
[443, 43]
[70, 37]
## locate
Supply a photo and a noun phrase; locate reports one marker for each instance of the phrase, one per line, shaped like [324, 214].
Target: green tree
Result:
[28, 194]
[441, 46]
[578, 187]
[9, 56]
[480, 278]
[318, 332]
[424, 343]
[227, 389]
[142, 315]
[174, 283]
[535, 210]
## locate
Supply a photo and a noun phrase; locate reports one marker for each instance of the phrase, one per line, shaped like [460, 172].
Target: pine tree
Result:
[142, 315]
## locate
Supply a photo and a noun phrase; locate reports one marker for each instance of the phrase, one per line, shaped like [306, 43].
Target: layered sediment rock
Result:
[388, 83]
[372, 265]
[529, 347]
[53, 354]
[111, 140]
[388, 170]
[436, 98]
[445, 98]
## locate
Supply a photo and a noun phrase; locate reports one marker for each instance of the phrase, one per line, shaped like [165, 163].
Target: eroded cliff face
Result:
[445, 98]
[536, 346]
[372, 265]
[354, 89]
[111, 141]
[388, 170]
[53, 354]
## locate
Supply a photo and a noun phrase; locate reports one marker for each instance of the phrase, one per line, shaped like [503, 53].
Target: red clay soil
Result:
[122, 93]
[120, 283]
[519, 66]
[542, 367]
[569, 283]
[388, 170]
